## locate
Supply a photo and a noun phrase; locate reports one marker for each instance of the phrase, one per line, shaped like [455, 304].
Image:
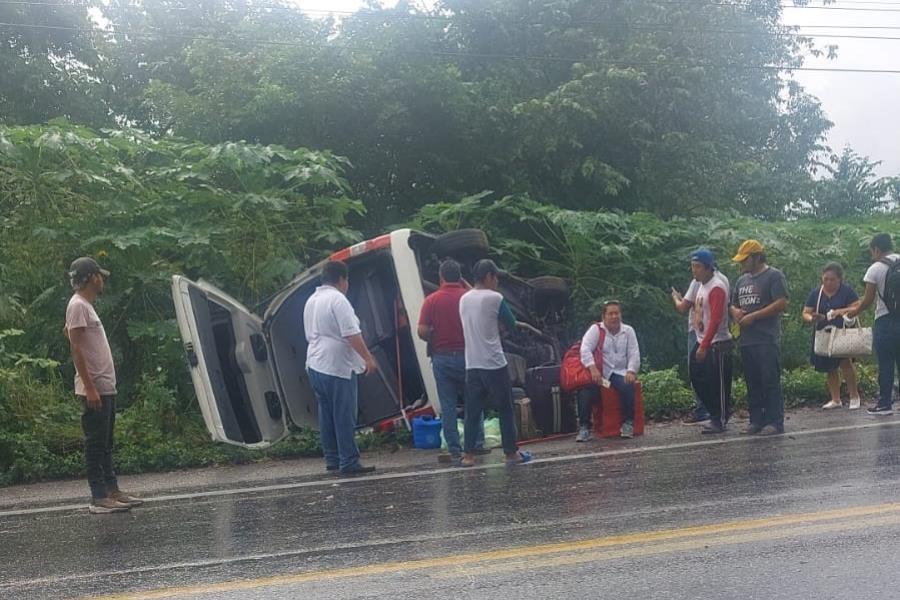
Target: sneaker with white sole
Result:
[103, 506]
[832, 405]
[123, 498]
[584, 434]
[855, 403]
[880, 411]
[627, 430]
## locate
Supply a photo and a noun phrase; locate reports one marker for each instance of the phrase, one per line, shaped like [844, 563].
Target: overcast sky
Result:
[863, 107]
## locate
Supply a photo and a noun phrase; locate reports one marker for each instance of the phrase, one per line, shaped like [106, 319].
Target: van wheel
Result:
[550, 285]
[550, 292]
[463, 243]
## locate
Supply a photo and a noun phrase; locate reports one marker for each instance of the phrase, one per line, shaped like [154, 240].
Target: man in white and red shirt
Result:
[710, 358]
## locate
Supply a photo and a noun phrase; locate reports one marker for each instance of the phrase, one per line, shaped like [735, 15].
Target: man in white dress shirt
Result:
[336, 356]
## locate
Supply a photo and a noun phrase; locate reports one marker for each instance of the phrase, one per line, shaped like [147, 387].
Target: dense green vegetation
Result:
[599, 141]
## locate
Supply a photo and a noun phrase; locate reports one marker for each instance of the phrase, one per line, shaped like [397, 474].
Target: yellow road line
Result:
[461, 560]
[671, 546]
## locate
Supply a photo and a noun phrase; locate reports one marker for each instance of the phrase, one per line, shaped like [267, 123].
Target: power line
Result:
[393, 14]
[469, 55]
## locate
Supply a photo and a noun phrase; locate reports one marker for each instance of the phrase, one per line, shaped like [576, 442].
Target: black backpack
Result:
[891, 296]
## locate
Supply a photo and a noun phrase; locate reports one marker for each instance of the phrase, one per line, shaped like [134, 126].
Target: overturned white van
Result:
[249, 371]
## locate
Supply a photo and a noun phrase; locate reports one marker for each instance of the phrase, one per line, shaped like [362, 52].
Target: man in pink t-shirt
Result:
[95, 386]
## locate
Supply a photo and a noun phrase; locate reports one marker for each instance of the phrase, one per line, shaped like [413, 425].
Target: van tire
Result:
[463, 243]
[549, 285]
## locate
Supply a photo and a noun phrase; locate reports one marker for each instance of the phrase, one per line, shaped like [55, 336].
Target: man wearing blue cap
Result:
[710, 358]
[685, 305]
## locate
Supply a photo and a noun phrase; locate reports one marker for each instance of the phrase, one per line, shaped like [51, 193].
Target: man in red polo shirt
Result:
[440, 325]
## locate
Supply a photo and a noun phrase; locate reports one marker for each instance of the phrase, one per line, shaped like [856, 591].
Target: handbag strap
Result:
[819, 301]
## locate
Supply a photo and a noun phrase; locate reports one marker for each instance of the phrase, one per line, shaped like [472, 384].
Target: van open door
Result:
[230, 365]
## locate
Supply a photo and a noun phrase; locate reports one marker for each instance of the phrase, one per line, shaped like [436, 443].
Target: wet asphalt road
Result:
[807, 516]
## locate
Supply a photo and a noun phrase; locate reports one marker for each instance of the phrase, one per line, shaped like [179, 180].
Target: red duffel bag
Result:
[573, 375]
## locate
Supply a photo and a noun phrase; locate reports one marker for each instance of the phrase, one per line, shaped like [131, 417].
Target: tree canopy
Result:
[677, 108]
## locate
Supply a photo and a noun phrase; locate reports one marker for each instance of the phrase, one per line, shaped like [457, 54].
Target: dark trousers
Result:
[711, 380]
[762, 372]
[493, 385]
[587, 396]
[98, 428]
[700, 412]
[886, 340]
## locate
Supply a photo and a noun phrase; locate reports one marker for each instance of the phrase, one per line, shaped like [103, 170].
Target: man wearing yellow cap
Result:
[757, 301]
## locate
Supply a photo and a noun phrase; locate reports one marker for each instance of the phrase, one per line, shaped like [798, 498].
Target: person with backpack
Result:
[823, 309]
[883, 289]
[710, 358]
[621, 360]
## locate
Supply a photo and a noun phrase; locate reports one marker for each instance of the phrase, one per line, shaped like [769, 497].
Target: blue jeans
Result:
[450, 376]
[493, 384]
[700, 412]
[337, 400]
[626, 394]
[886, 340]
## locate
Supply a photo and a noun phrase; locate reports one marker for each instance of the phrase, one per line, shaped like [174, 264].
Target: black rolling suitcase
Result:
[554, 410]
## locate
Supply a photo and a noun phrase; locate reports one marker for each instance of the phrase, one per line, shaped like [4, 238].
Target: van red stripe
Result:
[383, 241]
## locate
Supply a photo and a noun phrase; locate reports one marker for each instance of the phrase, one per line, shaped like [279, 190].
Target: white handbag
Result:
[822, 339]
[851, 341]
[822, 343]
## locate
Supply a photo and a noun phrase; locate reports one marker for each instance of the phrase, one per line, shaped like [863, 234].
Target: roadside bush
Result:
[739, 394]
[665, 394]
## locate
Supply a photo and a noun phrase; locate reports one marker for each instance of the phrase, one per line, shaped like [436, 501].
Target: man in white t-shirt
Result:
[710, 358]
[886, 332]
[336, 356]
[482, 311]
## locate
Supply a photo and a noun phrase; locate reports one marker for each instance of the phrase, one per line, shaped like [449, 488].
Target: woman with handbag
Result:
[825, 307]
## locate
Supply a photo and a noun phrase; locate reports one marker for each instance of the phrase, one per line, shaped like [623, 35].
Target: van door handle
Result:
[191, 355]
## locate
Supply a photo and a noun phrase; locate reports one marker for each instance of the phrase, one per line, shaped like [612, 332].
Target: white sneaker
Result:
[584, 434]
[855, 403]
[833, 404]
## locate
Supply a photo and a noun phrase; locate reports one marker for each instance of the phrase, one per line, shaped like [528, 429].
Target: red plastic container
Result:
[394, 423]
[607, 414]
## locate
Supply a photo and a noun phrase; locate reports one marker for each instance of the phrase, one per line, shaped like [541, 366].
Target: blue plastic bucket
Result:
[426, 432]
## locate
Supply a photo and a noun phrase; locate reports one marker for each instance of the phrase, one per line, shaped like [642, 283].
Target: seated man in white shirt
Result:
[621, 361]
